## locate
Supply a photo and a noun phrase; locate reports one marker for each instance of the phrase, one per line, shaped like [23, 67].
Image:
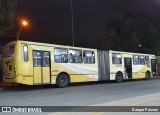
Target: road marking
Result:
[134, 104]
[143, 102]
[98, 113]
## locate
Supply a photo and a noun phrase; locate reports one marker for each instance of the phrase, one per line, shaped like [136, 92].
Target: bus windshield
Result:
[8, 52]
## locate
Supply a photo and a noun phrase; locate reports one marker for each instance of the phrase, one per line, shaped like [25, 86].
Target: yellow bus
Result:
[34, 63]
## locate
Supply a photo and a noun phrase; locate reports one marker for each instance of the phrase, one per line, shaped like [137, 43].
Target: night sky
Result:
[50, 20]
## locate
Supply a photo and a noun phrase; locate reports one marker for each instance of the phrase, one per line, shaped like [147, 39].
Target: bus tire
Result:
[148, 75]
[63, 80]
[119, 77]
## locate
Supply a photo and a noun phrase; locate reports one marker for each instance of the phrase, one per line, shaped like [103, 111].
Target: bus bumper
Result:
[16, 79]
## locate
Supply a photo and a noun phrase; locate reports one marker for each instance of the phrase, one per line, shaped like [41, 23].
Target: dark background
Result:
[50, 20]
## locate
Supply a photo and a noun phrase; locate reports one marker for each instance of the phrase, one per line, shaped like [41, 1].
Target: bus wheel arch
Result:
[119, 77]
[63, 80]
[148, 75]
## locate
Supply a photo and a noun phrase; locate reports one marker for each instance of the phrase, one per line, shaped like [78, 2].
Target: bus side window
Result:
[88, 57]
[142, 60]
[136, 60]
[46, 59]
[71, 59]
[116, 58]
[147, 62]
[25, 52]
[61, 55]
[75, 56]
[37, 60]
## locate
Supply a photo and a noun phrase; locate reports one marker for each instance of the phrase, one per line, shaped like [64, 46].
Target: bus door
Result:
[153, 66]
[128, 67]
[41, 67]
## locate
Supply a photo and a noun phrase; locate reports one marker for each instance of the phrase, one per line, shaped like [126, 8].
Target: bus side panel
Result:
[17, 63]
[68, 68]
[27, 67]
[139, 71]
[114, 68]
[78, 72]
[142, 71]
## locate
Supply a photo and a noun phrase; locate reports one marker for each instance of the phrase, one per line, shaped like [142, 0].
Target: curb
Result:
[156, 77]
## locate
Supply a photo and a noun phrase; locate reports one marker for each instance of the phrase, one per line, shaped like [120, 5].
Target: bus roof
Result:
[53, 45]
[69, 47]
[122, 52]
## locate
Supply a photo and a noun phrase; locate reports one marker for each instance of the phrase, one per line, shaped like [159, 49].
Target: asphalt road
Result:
[125, 93]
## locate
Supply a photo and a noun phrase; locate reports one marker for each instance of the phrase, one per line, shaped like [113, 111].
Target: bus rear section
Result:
[24, 64]
[15, 55]
[9, 69]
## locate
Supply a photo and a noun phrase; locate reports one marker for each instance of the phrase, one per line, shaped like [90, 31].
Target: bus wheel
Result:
[148, 75]
[63, 80]
[119, 77]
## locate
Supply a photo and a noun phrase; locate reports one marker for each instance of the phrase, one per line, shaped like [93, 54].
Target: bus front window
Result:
[9, 52]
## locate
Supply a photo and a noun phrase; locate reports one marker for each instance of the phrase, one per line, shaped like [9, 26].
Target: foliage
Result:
[128, 33]
[1, 50]
[7, 14]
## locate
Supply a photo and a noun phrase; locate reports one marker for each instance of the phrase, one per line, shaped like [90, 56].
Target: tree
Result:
[129, 33]
[7, 14]
[110, 37]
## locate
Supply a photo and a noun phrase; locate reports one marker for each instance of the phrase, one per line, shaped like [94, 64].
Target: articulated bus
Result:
[33, 63]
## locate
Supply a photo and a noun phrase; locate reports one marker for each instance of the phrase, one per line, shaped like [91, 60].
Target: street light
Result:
[23, 23]
[72, 23]
[140, 45]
